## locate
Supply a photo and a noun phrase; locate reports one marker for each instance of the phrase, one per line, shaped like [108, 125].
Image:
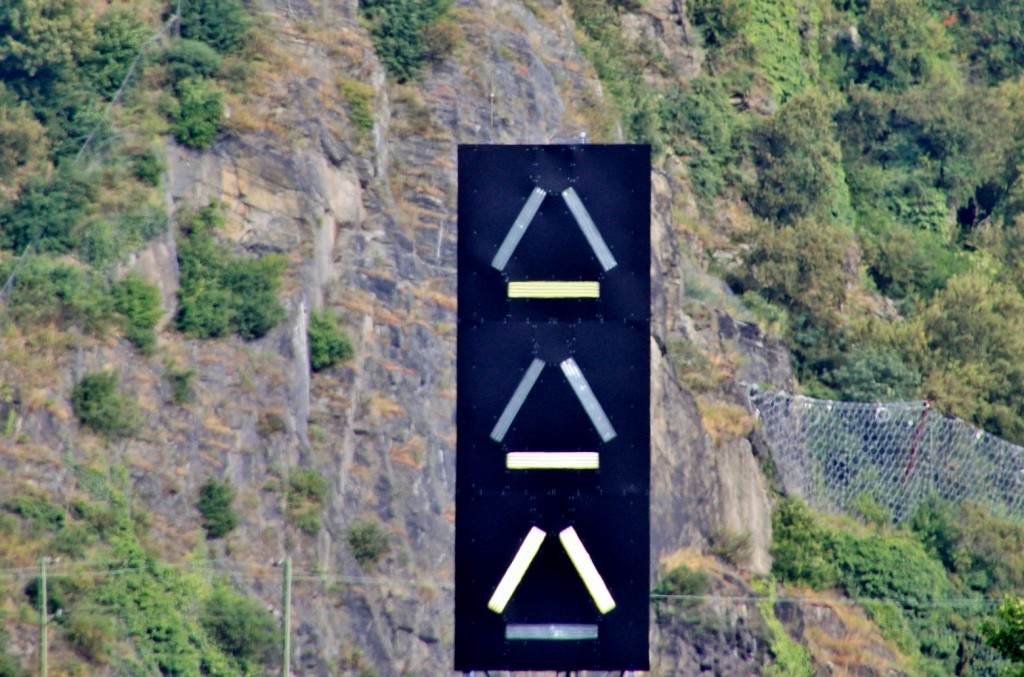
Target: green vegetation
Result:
[221, 24]
[49, 60]
[158, 608]
[409, 34]
[720, 21]
[905, 579]
[210, 28]
[328, 345]
[191, 59]
[100, 406]
[733, 547]
[214, 504]
[359, 97]
[873, 149]
[222, 293]
[1006, 634]
[38, 512]
[51, 291]
[705, 128]
[791, 659]
[685, 581]
[141, 305]
[196, 112]
[8, 664]
[617, 62]
[79, 196]
[271, 423]
[22, 138]
[369, 542]
[126, 611]
[47, 211]
[180, 381]
[105, 242]
[241, 627]
[877, 148]
[798, 164]
[306, 496]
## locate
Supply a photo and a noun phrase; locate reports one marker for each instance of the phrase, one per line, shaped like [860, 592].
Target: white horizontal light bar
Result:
[514, 574]
[518, 229]
[516, 402]
[554, 290]
[586, 569]
[588, 400]
[552, 460]
[551, 631]
[586, 224]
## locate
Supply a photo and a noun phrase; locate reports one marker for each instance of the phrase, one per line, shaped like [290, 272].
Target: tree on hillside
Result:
[973, 351]
[798, 159]
[1006, 634]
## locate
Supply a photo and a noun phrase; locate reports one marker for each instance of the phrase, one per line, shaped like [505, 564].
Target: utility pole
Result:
[42, 617]
[286, 603]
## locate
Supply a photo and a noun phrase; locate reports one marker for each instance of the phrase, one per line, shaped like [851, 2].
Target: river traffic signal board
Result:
[552, 538]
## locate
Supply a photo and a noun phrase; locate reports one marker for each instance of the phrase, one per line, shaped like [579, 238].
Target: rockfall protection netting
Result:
[834, 454]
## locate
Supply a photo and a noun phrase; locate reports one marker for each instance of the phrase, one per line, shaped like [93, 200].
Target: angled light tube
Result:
[586, 569]
[516, 402]
[551, 631]
[588, 400]
[586, 224]
[518, 229]
[514, 574]
[552, 460]
[554, 290]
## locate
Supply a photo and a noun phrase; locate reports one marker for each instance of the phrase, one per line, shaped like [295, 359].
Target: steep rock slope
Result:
[366, 218]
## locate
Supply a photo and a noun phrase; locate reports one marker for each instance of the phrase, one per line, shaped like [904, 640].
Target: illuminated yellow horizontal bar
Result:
[552, 460]
[554, 290]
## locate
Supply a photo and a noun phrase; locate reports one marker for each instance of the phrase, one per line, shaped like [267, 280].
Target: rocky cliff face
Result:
[367, 221]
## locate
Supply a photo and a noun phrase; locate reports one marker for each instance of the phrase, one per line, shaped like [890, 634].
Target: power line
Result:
[257, 571]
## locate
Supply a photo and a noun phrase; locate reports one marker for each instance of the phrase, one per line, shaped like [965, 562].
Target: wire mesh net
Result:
[837, 454]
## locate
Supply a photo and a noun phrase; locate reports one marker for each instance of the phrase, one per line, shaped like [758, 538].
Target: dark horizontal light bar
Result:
[551, 631]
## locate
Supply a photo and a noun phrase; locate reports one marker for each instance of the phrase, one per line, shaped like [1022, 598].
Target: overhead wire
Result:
[262, 571]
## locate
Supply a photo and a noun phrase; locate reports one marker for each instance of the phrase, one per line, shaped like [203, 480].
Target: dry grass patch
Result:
[212, 423]
[29, 453]
[382, 315]
[378, 274]
[412, 453]
[394, 367]
[242, 115]
[439, 299]
[859, 644]
[691, 559]
[137, 460]
[723, 420]
[381, 407]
